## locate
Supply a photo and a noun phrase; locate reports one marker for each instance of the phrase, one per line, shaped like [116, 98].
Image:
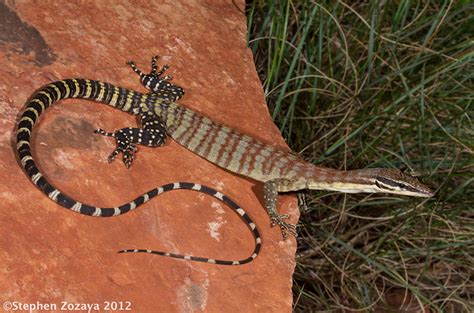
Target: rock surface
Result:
[50, 255]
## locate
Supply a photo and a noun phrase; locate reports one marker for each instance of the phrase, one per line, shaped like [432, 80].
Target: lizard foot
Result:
[124, 146]
[285, 228]
[157, 83]
[154, 67]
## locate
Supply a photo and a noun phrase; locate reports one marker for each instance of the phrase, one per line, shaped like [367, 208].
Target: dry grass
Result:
[377, 84]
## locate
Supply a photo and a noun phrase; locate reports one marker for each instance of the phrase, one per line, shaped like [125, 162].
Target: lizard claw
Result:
[124, 146]
[285, 228]
[129, 155]
[113, 155]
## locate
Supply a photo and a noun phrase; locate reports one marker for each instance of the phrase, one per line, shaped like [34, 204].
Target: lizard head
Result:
[393, 181]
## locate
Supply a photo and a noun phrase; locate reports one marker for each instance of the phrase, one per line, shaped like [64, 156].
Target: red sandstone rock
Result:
[49, 254]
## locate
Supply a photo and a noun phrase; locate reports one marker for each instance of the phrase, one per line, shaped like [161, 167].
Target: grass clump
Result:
[377, 84]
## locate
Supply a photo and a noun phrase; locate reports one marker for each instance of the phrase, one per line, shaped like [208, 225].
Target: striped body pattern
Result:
[230, 149]
[161, 116]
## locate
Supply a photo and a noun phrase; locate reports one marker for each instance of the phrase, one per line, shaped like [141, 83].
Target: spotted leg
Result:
[158, 84]
[270, 193]
[152, 134]
[161, 71]
[152, 74]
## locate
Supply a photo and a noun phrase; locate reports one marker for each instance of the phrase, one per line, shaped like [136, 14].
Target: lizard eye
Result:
[393, 185]
[386, 183]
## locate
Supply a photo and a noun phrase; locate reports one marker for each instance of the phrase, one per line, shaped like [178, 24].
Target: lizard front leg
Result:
[270, 193]
[152, 134]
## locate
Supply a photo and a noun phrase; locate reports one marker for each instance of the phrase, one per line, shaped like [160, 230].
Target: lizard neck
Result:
[319, 178]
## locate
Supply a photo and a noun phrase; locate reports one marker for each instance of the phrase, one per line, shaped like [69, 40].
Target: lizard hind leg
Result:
[157, 83]
[124, 138]
[270, 193]
[153, 134]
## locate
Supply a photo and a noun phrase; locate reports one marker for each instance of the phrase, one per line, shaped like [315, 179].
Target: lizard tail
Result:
[70, 88]
[216, 194]
[124, 100]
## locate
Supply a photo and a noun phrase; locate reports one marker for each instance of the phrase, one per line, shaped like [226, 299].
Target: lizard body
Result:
[161, 115]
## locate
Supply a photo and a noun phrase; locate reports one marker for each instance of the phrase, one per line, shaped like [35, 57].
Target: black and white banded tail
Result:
[234, 206]
[127, 101]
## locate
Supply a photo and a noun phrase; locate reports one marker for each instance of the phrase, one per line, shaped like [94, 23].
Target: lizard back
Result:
[228, 148]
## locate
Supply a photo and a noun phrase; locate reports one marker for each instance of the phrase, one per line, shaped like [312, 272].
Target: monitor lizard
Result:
[161, 116]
